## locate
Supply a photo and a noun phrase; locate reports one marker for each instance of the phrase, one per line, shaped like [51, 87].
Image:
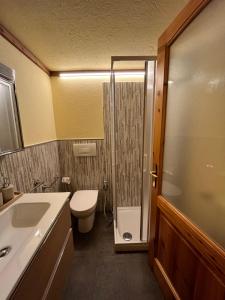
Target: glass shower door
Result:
[129, 115]
[131, 107]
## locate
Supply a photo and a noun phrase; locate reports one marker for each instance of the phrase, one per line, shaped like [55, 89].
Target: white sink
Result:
[28, 214]
[23, 227]
[17, 225]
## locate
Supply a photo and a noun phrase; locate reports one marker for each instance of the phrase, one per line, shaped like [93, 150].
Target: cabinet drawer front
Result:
[59, 275]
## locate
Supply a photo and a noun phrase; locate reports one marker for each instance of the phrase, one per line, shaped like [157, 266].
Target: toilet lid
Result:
[84, 200]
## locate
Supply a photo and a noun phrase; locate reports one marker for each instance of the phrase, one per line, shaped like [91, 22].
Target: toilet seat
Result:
[84, 202]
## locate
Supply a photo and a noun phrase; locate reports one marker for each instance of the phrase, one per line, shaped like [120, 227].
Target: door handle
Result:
[153, 174]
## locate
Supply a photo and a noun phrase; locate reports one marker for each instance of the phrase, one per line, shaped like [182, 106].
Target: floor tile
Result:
[98, 273]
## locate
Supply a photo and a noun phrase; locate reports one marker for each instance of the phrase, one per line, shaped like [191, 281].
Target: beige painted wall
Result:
[78, 108]
[55, 108]
[34, 95]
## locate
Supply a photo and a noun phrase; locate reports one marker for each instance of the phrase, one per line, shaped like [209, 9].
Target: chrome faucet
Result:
[36, 184]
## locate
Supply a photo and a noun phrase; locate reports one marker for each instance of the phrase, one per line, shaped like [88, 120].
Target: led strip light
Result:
[101, 74]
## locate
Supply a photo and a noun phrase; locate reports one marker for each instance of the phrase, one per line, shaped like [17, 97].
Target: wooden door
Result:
[187, 241]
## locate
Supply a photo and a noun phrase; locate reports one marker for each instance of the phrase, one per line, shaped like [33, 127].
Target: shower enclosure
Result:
[132, 90]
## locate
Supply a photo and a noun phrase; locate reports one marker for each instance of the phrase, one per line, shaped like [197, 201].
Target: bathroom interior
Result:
[112, 142]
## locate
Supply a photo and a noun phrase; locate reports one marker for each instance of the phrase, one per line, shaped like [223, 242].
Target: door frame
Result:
[204, 248]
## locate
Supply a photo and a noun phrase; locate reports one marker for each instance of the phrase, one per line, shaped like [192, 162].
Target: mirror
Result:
[10, 129]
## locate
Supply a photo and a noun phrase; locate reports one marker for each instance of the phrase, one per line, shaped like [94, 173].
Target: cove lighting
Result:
[129, 74]
[101, 74]
[83, 74]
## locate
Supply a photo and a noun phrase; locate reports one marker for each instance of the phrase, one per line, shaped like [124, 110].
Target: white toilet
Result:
[83, 205]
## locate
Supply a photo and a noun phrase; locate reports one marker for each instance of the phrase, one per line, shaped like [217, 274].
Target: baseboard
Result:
[131, 247]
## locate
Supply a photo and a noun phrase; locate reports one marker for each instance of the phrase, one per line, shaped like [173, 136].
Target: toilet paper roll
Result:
[8, 193]
[66, 180]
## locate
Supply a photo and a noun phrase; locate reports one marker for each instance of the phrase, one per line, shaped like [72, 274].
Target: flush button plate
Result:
[87, 149]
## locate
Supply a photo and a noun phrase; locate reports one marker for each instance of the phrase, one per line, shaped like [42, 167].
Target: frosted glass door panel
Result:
[194, 153]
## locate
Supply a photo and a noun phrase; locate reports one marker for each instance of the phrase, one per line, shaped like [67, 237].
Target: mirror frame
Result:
[8, 75]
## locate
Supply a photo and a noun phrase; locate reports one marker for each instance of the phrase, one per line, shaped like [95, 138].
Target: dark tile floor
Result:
[98, 273]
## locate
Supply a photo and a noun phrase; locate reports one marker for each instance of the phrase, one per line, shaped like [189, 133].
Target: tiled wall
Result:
[86, 172]
[35, 162]
[129, 117]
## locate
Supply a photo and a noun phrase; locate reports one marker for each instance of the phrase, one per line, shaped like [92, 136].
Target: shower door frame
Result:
[147, 148]
[114, 59]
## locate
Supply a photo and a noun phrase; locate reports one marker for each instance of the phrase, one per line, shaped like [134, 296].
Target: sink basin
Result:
[23, 227]
[18, 225]
[28, 214]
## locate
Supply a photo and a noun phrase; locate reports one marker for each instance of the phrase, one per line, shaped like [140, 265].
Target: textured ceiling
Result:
[84, 34]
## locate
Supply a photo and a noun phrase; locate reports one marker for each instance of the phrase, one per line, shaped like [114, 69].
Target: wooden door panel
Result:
[177, 259]
[187, 273]
[185, 263]
[166, 242]
[208, 286]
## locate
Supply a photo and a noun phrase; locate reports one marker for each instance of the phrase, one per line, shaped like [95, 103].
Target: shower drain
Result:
[5, 251]
[127, 236]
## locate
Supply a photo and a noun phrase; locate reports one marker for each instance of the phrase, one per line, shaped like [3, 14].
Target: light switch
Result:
[88, 149]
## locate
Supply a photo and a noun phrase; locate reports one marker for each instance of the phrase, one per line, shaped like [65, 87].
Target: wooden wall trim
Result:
[132, 58]
[206, 249]
[16, 43]
[183, 19]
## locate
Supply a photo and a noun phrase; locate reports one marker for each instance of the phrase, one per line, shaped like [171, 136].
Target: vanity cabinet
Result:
[45, 276]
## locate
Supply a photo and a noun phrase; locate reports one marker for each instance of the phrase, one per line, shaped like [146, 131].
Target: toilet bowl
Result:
[83, 206]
